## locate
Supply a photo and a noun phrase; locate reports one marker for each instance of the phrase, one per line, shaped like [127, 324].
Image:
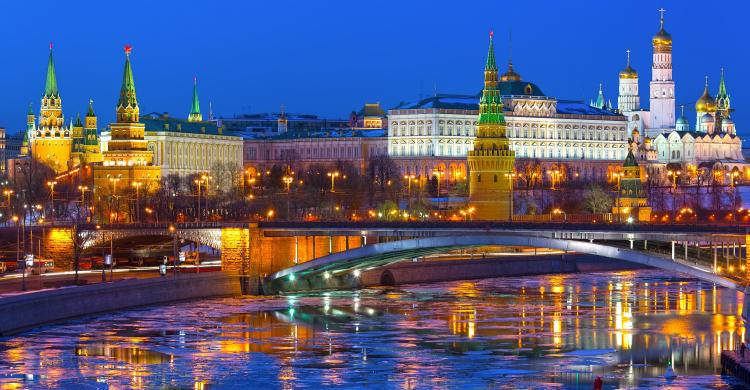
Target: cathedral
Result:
[664, 143]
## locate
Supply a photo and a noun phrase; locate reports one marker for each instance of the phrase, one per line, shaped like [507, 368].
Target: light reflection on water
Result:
[534, 332]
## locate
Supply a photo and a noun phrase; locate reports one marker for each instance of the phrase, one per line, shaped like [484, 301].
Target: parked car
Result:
[42, 267]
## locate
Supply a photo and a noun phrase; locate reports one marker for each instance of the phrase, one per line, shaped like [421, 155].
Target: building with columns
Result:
[188, 146]
[436, 133]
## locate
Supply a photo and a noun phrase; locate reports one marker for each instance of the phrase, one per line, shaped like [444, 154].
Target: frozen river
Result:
[558, 331]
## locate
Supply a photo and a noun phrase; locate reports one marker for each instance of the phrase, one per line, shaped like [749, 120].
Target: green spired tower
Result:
[491, 162]
[195, 109]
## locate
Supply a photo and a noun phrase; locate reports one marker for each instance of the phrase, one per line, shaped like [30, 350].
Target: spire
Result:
[50, 87]
[78, 121]
[511, 74]
[491, 63]
[127, 90]
[491, 105]
[90, 112]
[31, 110]
[195, 109]
[722, 86]
[600, 102]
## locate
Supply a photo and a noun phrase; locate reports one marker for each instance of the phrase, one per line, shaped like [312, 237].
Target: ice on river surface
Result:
[556, 331]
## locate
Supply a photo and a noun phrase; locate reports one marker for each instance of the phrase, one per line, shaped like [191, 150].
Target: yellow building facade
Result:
[491, 161]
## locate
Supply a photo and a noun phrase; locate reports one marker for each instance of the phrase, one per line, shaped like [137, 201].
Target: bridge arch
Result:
[313, 272]
[208, 237]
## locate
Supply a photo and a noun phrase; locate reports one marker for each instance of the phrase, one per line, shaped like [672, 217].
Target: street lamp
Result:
[510, 177]
[288, 181]
[333, 176]
[207, 179]
[674, 175]
[199, 182]
[732, 177]
[83, 190]
[564, 214]
[8, 193]
[18, 252]
[137, 185]
[51, 184]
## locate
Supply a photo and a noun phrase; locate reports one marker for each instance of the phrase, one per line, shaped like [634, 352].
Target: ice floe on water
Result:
[556, 331]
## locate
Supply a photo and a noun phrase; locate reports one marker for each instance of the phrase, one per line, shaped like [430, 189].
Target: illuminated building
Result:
[667, 143]
[491, 160]
[188, 146]
[631, 200]
[325, 147]
[50, 139]
[126, 157]
[85, 140]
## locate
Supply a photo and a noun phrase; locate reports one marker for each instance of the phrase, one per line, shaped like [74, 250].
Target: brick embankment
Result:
[25, 311]
[732, 364]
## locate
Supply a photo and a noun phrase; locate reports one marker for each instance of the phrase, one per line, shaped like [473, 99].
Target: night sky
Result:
[330, 57]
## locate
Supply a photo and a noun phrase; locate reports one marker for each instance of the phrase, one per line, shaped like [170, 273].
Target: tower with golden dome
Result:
[491, 162]
[705, 111]
[628, 99]
[662, 87]
[50, 140]
[127, 159]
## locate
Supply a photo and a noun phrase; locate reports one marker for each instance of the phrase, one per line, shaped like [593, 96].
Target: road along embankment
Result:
[25, 311]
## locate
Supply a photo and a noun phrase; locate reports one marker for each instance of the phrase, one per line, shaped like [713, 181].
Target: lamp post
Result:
[137, 185]
[51, 184]
[510, 177]
[199, 182]
[674, 175]
[174, 248]
[114, 181]
[83, 190]
[333, 176]
[18, 253]
[288, 181]
[8, 193]
[732, 177]
[207, 178]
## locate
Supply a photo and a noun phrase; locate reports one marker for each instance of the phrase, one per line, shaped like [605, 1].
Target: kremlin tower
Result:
[127, 159]
[491, 162]
[50, 141]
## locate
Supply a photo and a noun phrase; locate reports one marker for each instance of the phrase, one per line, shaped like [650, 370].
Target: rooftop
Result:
[163, 122]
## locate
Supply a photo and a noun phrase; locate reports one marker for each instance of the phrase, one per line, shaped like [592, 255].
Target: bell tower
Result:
[662, 86]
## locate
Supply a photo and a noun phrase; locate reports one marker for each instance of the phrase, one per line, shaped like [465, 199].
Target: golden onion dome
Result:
[706, 103]
[628, 73]
[510, 75]
[662, 38]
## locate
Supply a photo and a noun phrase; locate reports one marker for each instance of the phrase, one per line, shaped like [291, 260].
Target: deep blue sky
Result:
[329, 57]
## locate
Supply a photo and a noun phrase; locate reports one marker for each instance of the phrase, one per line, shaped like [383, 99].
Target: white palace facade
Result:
[435, 134]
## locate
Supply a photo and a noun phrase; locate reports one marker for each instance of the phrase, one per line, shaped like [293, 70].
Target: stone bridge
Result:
[327, 254]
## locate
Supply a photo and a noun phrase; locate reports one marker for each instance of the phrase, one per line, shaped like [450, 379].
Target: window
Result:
[495, 179]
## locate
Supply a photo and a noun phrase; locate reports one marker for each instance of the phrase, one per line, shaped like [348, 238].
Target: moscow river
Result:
[556, 331]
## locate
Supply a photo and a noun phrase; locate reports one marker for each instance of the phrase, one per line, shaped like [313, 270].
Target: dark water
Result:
[557, 331]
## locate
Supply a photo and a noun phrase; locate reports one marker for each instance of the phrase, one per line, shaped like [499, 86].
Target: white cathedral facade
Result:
[665, 143]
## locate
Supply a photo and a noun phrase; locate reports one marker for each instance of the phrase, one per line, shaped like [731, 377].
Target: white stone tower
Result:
[628, 99]
[662, 86]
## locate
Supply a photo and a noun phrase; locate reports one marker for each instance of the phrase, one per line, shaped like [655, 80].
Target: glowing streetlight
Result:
[333, 176]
